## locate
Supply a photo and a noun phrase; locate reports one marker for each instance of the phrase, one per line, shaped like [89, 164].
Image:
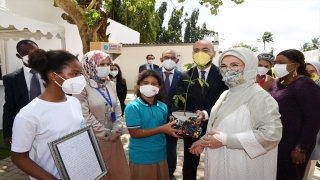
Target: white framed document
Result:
[78, 156]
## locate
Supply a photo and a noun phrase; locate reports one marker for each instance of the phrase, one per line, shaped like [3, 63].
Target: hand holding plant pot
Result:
[190, 122]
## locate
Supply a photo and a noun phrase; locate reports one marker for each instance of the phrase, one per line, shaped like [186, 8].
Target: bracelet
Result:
[298, 149]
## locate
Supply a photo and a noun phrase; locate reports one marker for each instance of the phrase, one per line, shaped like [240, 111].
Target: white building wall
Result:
[134, 56]
[312, 55]
[44, 10]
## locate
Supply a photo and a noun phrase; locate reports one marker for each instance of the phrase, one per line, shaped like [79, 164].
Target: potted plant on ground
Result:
[186, 121]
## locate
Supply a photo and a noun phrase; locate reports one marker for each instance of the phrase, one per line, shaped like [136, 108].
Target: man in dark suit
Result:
[17, 88]
[149, 64]
[200, 99]
[170, 76]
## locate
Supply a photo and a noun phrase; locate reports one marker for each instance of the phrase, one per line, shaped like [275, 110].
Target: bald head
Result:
[204, 46]
[171, 51]
[204, 42]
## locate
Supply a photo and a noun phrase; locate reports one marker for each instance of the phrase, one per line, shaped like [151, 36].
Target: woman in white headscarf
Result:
[244, 128]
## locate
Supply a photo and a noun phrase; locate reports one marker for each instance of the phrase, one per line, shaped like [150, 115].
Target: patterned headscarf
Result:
[267, 57]
[89, 64]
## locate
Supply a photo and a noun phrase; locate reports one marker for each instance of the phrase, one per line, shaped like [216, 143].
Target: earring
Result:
[295, 73]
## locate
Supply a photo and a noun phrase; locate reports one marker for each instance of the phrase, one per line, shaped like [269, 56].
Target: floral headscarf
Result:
[89, 65]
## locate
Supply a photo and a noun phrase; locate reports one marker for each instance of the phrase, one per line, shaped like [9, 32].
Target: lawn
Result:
[4, 151]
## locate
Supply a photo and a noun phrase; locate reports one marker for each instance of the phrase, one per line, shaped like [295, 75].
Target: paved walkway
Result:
[8, 171]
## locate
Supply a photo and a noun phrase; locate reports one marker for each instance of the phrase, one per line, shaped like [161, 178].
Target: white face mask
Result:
[169, 64]
[150, 61]
[280, 70]
[25, 58]
[103, 71]
[149, 90]
[262, 71]
[73, 85]
[114, 73]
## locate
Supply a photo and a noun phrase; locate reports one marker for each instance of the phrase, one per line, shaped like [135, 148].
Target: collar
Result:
[25, 68]
[144, 102]
[206, 70]
[164, 70]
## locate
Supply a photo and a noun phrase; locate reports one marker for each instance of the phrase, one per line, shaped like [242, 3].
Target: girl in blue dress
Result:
[146, 119]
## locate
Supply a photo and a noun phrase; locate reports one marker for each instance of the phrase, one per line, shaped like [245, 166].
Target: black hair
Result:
[149, 55]
[24, 42]
[161, 96]
[298, 57]
[44, 61]
[119, 76]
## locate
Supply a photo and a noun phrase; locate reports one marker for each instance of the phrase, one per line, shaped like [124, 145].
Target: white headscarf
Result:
[315, 64]
[240, 94]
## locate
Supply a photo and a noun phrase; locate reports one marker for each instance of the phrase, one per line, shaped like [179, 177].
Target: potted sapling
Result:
[185, 120]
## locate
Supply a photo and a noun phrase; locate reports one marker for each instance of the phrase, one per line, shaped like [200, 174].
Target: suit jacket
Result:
[121, 93]
[16, 97]
[144, 67]
[172, 89]
[196, 100]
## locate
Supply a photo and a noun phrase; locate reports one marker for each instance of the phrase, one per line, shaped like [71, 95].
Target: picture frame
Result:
[78, 156]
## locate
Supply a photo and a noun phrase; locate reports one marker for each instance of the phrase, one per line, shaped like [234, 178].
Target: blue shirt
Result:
[140, 114]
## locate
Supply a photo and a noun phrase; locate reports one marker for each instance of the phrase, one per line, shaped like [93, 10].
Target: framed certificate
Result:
[78, 156]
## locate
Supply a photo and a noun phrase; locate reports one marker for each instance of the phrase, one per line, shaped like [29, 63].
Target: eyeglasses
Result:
[168, 57]
[233, 66]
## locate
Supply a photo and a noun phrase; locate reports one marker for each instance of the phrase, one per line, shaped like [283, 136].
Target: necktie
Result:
[35, 90]
[203, 78]
[150, 66]
[167, 81]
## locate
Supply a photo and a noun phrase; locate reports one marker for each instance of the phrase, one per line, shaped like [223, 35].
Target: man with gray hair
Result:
[170, 74]
[265, 64]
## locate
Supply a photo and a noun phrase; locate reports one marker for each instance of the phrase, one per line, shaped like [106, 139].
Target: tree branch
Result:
[68, 18]
[75, 12]
[90, 5]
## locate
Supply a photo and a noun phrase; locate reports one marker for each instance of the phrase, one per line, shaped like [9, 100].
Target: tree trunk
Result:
[75, 15]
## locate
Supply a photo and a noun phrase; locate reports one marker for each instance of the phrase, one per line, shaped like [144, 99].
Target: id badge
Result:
[113, 117]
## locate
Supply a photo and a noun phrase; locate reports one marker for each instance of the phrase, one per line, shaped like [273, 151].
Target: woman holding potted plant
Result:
[244, 124]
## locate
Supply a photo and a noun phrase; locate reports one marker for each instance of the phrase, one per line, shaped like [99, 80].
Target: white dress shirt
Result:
[205, 74]
[148, 66]
[170, 76]
[28, 75]
[207, 70]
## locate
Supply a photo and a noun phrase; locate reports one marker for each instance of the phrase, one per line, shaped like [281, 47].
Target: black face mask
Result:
[269, 73]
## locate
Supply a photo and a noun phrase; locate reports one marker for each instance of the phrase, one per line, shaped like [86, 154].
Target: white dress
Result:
[241, 164]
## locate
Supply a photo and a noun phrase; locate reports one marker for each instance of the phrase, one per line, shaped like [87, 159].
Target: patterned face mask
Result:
[232, 78]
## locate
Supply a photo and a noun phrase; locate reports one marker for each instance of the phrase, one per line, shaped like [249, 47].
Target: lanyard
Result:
[108, 100]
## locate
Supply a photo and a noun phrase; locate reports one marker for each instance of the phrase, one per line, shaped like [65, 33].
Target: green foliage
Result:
[91, 17]
[251, 47]
[193, 32]
[4, 150]
[161, 33]
[315, 43]
[180, 97]
[213, 5]
[266, 38]
[309, 46]
[138, 15]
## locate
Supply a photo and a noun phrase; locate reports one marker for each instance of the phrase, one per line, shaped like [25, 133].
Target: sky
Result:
[293, 22]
